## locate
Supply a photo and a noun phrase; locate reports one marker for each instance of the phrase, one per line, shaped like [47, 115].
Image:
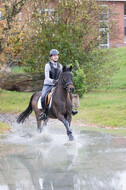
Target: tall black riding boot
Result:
[43, 115]
[74, 112]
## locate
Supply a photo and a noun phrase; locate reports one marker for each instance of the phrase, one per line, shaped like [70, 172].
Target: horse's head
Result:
[67, 78]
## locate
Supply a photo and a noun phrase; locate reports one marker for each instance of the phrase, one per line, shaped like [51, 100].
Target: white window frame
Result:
[124, 28]
[106, 21]
[49, 12]
[20, 16]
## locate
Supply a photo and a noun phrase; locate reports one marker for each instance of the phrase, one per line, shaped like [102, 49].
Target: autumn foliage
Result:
[72, 27]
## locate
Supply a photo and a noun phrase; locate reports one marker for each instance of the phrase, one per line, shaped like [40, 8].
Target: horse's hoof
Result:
[71, 138]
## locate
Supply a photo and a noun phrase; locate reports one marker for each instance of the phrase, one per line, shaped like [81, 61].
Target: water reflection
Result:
[29, 161]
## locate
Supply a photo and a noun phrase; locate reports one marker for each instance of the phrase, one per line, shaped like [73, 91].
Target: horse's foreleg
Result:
[68, 118]
[67, 125]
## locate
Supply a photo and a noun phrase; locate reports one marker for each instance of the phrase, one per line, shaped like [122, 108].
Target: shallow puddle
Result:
[48, 161]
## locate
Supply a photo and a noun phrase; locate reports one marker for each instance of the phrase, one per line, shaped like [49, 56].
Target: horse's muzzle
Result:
[71, 88]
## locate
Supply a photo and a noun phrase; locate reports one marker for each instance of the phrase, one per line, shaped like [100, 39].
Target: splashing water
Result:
[29, 160]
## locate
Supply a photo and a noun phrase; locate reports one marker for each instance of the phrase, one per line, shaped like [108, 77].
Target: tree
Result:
[12, 8]
[70, 26]
[73, 28]
[13, 30]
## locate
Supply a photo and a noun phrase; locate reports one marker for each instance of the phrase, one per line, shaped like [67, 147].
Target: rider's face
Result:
[55, 57]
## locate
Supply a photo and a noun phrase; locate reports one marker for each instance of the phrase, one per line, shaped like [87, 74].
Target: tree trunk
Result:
[22, 82]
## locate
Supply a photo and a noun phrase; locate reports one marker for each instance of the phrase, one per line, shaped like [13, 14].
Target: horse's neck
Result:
[61, 91]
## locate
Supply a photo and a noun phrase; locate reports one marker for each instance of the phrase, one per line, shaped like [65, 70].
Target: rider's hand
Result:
[55, 81]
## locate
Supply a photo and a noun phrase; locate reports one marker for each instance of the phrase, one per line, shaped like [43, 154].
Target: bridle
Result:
[64, 84]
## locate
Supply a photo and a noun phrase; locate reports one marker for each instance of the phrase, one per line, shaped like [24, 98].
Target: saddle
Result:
[48, 102]
[48, 99]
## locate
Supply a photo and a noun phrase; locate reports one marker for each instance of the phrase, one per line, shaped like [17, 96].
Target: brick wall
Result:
[117, 37]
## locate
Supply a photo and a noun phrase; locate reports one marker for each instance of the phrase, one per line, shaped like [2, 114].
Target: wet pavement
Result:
[48, 161]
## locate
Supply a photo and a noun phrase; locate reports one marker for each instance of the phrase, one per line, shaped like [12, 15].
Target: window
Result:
[104, 27]
[20, 16]
[1, 17]
[49, 14]
[125, 21]
[103, 40]
[124, 8]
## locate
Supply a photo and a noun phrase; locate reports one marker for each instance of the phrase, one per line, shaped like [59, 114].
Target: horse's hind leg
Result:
[39, 128]
[39, 123]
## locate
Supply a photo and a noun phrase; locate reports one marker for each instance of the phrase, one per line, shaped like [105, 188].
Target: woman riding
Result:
[52, 71]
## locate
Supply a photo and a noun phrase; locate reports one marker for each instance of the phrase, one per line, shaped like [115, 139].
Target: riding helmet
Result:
[54, 52]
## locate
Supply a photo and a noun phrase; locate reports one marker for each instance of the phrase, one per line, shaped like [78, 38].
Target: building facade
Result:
[118, 38]
[106, 37]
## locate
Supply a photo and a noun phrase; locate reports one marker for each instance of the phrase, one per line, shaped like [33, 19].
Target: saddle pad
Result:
[39, 103]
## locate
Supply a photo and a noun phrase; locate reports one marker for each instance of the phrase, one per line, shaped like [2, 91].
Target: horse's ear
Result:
[70, 69]
[64, 68]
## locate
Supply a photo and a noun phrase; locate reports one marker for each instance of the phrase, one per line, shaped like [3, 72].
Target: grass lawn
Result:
[119, 80]
[13, 102]
[16, 69]
[106, 107]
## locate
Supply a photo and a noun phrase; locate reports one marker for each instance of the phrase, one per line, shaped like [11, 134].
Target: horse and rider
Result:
[52, 71]
[61, 78]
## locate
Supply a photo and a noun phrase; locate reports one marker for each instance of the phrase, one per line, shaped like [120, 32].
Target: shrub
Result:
[70, 29]
[79, 79]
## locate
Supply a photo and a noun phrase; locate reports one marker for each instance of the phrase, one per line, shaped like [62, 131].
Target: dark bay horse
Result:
[61, 102]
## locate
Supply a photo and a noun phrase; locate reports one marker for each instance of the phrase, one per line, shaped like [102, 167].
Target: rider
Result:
[52, 71]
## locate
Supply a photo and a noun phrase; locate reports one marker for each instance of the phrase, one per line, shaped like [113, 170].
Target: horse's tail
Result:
[21, 118]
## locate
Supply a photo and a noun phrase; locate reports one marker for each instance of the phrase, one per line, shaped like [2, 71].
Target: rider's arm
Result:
[47, 76]
[61, 67]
